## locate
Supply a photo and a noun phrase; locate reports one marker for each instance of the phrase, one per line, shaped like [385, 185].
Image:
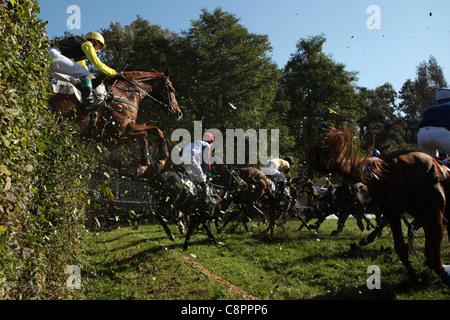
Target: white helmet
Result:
[443, 94]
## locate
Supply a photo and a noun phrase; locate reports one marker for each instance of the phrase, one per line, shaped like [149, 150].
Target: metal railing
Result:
[121, 192]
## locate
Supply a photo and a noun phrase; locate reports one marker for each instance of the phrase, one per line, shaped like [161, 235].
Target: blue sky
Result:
[410, 31]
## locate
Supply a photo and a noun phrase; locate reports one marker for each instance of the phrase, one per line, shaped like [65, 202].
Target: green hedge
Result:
[42, 173]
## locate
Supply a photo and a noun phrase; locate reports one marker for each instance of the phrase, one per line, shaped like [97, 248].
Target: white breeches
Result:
[432, 139]
[273, 173]
[321, 190]
[66, 69]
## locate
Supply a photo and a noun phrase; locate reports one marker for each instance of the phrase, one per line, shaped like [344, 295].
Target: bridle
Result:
[234, 177]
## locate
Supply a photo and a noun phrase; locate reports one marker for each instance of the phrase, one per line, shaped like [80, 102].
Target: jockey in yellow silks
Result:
[69, 57]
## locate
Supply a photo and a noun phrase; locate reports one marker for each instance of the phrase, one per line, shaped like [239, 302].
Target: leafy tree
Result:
[224, 72]
[430, 78]
[418, 95]
[320, 91]
[139, 46]
[410, 111]
[380, 121]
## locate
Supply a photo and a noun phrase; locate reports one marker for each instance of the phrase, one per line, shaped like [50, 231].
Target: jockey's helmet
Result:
[376, 153]
[290, 160]
[208, 137]
[443, 94]
[97, 37]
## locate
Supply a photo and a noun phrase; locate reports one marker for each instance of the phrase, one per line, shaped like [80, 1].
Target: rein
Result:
[169, 106]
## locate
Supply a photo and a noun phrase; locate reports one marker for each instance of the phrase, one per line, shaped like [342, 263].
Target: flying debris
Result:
[332, 111]
[231, 105]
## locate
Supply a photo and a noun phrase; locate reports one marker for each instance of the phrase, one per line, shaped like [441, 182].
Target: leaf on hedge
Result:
[110, 195]
[5, 141]
[4, 170]
[42, 147]
[7, 184]
[10, 197]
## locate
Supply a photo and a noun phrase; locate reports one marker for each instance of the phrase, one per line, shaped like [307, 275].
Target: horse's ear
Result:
[167, 73]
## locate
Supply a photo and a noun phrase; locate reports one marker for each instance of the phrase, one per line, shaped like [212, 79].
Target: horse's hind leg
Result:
[434, 232]
[207, 227]
[400, 246]
[139, 132]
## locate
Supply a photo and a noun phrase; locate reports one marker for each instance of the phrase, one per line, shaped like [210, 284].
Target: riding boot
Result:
[86, 93]
[282, 189]
[88, 102]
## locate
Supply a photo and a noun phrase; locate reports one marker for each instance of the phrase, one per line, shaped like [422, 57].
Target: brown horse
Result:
[247, 199]
[403, 181]
[115, 119]
[260, 197]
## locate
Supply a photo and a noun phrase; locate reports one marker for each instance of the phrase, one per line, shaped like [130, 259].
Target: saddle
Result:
[66, 87]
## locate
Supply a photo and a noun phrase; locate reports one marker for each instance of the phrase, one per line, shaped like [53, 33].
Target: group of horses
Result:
[402, 182]
[238, 194]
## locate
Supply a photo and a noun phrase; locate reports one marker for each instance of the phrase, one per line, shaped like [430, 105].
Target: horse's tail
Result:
[336, 152]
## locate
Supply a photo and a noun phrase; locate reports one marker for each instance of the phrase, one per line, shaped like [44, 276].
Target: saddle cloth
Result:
[188, 184]
[66, 87]
[192, 189]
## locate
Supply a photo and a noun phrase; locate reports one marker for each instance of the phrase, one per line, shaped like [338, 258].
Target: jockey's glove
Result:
[120, 76]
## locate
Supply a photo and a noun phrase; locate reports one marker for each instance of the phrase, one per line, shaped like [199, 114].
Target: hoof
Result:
[158, 166]
[141, 170]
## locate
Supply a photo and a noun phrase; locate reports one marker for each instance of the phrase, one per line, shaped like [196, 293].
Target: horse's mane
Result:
[337, 152]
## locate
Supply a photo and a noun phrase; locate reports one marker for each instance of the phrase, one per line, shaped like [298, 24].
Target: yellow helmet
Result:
[97, 37]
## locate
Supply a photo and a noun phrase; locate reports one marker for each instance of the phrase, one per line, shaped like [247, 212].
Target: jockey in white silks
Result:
[196, 160]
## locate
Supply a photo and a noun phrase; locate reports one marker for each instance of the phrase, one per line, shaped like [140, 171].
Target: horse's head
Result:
[230, 178]
[166, 94]
[155, 85]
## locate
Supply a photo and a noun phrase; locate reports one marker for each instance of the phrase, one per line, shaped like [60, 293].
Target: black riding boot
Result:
[203, 191]
[88, 103]
[282, 189]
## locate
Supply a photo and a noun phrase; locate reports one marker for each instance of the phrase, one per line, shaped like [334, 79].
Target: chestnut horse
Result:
[117, 115]
[403, 181]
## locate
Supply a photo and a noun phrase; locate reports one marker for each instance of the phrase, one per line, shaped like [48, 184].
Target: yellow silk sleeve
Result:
[88, 49]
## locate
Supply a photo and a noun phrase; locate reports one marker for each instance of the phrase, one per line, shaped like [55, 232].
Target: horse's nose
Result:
[179, 114]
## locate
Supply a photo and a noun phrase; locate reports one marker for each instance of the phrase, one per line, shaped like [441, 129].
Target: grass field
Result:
[141, 263]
